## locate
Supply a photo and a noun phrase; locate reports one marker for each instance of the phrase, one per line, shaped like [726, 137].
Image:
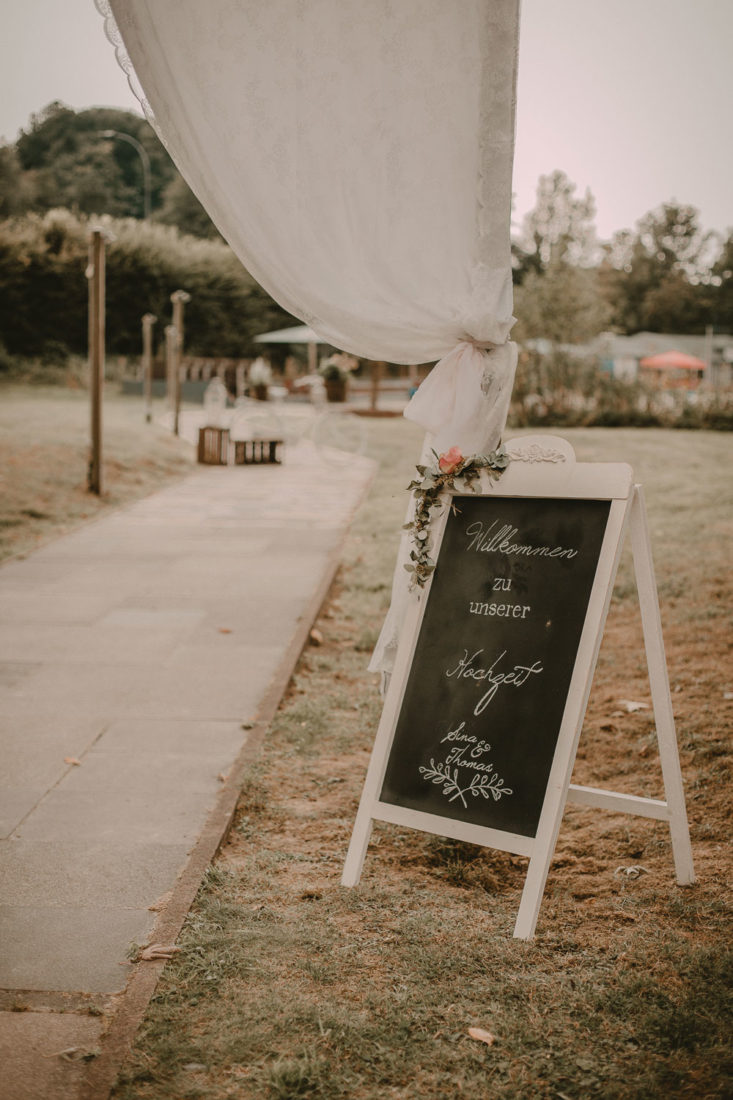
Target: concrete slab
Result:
[89, 873]
[42, 1053]
[142, 645]
[145, 737]
[141, 816]
[102, 644]
[185, 619]
[149, 772]
[34, 607]
[15, 804]
[69, 948]
[34, 749]
[14, 673]
[51, 690]
[185, 693]
[34, 746]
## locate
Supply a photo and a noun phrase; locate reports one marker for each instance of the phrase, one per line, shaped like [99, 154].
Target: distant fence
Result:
[198, 371]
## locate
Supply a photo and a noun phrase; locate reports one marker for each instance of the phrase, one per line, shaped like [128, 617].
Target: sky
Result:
[632, 99]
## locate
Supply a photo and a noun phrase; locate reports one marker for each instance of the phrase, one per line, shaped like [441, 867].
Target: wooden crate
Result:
[214, 446]
[250, 451]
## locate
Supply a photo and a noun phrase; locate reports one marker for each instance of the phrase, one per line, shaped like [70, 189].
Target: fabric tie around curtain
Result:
[357, 156]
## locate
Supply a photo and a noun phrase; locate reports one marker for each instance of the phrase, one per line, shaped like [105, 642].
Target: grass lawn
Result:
[44, 456]
[288, 985]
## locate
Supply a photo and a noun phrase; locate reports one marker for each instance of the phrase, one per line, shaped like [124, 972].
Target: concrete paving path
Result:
[134, 653]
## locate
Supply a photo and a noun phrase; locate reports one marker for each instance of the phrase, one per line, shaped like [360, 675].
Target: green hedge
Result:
[43, 288]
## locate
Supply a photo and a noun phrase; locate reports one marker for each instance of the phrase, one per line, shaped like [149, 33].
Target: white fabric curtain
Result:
[357, 156]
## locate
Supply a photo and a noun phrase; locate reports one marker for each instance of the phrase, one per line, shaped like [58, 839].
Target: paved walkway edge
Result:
[131, 1005]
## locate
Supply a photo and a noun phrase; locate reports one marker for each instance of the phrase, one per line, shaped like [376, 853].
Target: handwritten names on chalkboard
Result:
[483, 702]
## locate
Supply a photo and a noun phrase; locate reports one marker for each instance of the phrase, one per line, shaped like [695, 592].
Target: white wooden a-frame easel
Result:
[531, 473]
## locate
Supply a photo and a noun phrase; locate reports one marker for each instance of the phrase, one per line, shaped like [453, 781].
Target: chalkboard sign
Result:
[481, 721]
[485, 696]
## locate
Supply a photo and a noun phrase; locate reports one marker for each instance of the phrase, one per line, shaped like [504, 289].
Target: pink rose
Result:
[450, 461]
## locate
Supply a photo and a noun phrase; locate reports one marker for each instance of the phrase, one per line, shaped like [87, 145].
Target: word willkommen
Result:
[487, 541]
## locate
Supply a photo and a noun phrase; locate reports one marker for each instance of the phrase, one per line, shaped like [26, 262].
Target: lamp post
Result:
[145, 159]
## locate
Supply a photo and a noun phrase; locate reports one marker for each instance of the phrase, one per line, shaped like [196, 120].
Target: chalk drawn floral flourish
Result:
[484, 785]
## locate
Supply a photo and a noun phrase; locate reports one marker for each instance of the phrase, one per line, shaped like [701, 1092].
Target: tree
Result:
[561, 304]
[68, 162]
[557, 296]
[658, 277]
[181, 208]
[14, 193]
[64, 160]
[722, 287]
[560, 227]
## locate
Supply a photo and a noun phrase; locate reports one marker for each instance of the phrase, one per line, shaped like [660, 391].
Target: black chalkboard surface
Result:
[481, 711]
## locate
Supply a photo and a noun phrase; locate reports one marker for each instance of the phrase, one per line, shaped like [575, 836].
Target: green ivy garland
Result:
[450, 472]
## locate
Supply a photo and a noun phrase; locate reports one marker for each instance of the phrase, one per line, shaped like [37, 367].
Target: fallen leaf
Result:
[224, 630]
[72, 760]
[74, 1054]
[482, 1036]
[161, 903]
[630, 706]
[315, 637]
[158, 951]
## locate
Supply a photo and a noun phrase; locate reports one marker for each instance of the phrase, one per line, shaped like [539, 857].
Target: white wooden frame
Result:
[545, 466]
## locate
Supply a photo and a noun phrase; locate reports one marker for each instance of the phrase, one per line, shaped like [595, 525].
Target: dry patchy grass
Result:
[44, 455]
[289, 986]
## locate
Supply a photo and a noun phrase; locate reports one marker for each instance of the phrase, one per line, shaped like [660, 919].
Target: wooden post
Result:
[95, 275]
[377, 368]
[171, 374]
[148, 321]
[179, 299]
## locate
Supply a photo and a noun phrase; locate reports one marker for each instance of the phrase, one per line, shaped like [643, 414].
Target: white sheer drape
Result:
[357, 156]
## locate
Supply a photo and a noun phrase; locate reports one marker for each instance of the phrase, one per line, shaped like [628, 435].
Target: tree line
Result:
[665, 275]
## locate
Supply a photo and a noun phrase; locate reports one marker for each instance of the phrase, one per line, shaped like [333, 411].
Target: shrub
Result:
[558, 390]
[44, 294]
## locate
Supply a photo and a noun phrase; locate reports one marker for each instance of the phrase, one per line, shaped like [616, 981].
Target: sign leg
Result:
[534, 888]
[357, 848]
[659, 685]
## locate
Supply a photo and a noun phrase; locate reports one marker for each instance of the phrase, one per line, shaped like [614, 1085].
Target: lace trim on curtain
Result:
[489, 278]
[122, 57]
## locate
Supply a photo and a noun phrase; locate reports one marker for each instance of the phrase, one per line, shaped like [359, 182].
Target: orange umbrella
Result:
[669, 360]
